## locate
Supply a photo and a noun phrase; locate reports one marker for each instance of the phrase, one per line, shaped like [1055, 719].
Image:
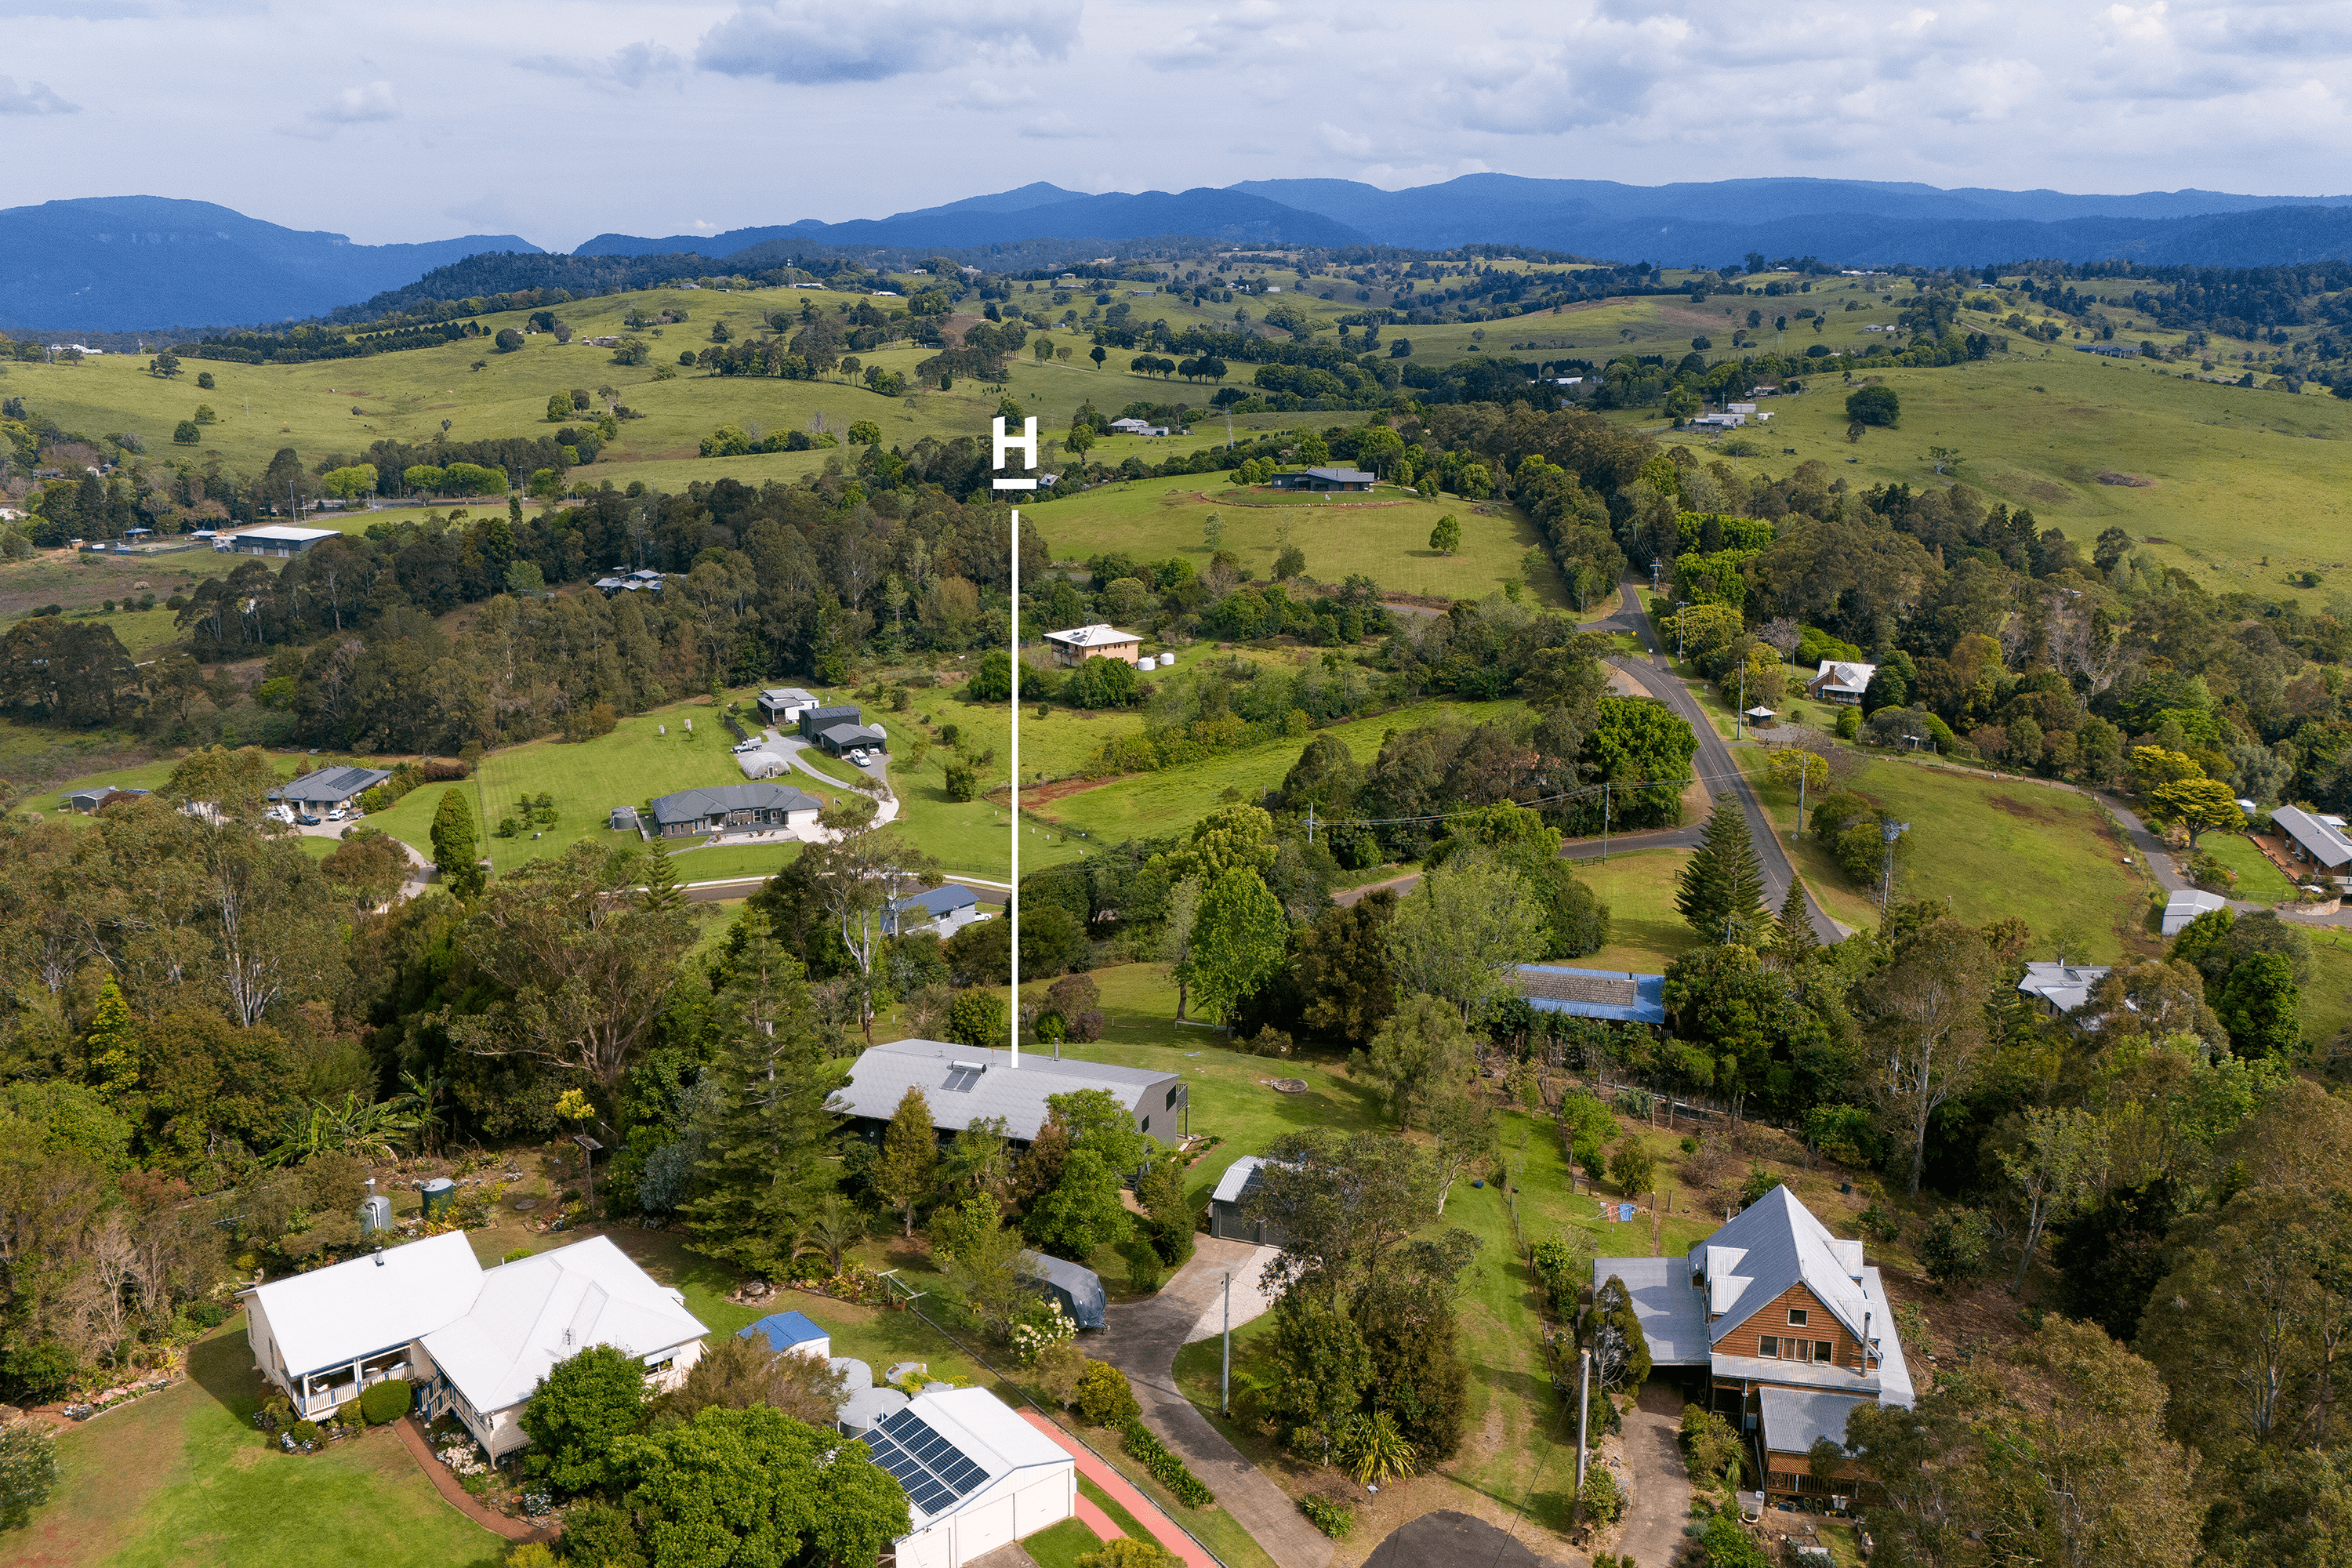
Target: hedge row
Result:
[1164, 1466]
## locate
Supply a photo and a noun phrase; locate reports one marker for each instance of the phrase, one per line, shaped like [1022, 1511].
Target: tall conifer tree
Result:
[1722, 886]
[1795, 935]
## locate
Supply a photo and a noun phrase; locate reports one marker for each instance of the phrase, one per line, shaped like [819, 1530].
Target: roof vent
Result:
[378, 1257]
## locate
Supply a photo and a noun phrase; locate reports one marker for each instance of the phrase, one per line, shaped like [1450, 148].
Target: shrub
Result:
[208, 1315]
[1083, 1027]
[600, 1533]
[1144, 1270]
[1602, 1499]
[1105, 1399]
[304, 1432]
[1631, 1167]
[1333, 1519]
[1125, 1552]
[963, 780]
[1956, 1248]
[1165, 1468]
[28, 1474]
[386, 1402]
[1880, 1224]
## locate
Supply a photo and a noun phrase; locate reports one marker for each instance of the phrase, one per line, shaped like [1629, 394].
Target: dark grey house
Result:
[816, 722]
[717, 807]
[1325, 480]
[329, 787]
[839, 740]
[1229, 1218]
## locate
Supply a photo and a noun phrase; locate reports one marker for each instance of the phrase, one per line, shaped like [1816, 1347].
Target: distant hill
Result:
[141, 262]
[147, 262]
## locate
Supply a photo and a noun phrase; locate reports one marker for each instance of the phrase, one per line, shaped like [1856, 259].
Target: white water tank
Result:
[376, 1213]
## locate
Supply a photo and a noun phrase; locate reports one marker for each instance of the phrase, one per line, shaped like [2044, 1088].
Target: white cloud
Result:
[33, 98]
[364, 105]
[1221, 38]
[630, 66]
[794, 41]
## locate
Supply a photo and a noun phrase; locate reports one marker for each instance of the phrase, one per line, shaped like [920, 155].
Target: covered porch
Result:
[322, 1392]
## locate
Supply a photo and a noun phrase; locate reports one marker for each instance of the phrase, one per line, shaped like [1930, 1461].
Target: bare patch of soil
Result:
[2135, 481]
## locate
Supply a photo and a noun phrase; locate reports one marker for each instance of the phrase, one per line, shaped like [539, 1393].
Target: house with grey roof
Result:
[785, 704]
[1325, 480]
[329, 787]
[1771, 1300]
[944, 911]
[2060, 988]
[815, 720]
[1842, 680]
[2314, 838]
[1230, 1219]
[717, 808]
[840, 740]
[1789, 1421]
[963, 1084]
[2186, 905]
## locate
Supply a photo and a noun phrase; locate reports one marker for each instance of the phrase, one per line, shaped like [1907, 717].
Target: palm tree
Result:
[1375, 1451]
[832, 1231]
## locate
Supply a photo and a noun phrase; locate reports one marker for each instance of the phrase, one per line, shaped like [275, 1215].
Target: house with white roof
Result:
[1772, 1301]
[2186, 905]
[1841, 680]
[976, 1475]
[275, 540]
[476, 1342]
[1080, 644]
[2062, 987]
[783, 705]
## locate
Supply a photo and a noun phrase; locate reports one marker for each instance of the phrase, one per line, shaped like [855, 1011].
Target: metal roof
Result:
[2321, 842]
[950, 1444]
[1796, 1419]
[2186, 905]
[279, 534]
[881, 1077]
[783, 1331]
[332, 784]
[717, 800]
[1844, 674]
[1239, 1177]
[1617, 995]
[945, 899]
[787, 696]
[1343, 476]
[2064, 986]
[1096, 636]
[1773, 1244]
[1672, 1315]
[331, 1317]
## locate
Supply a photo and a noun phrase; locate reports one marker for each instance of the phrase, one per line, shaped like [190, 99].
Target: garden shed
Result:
[1079, 1288]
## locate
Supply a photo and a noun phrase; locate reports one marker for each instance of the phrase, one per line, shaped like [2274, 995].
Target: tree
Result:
[29, 1473]
[455, 848]
[371, 868]
[1928, 1032]
[1082, 1215]
[587, 1403]
[985, 1260]
[1420, 1054]
[1325, 1374]
[1609, 1327]
[735, 1374]
[1160, 1191]
[2053, 1161]
[910, 1157]
[765, 1157]
[1446, 537]
[1375, 1451]
[1464, 931]
[864, 433]
[110, 1045]
[2261, 1007]
[1175, 948]
[584, 972]
[1631, 1167]
[1237, 941]
[1093, 1119]
[1347, 1208]
[1097, 355]
[856, 880]
[1461, 1130]
[1793, 932]
[558, 407]
[979, 1018]
[755, 1486]
[187, 433]
[1340, 970]
[1721, 891]
[1874, 405]
[1955, 1248]
[2199, 805]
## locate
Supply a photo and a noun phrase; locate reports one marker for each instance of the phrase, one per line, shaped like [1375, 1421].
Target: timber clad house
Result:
[477, 1342]
[1790, 1326]
[1841, 680]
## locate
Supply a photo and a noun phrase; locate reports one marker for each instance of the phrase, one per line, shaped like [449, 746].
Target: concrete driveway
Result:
[1660, 1485]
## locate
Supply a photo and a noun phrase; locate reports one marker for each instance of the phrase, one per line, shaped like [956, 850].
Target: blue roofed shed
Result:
[1617, 997]
[792, 1332]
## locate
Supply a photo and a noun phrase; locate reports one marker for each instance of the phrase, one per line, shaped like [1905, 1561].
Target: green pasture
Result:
[1383, 534]
[1150, 804]
[2257, 877]
[1990, 848]
[1645, 932]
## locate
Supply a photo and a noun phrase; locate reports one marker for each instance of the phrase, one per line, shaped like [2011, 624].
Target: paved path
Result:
[1141, 1340]
[1714, 761]
[445, 1482]
[1660, 1485]
[1147, 1513]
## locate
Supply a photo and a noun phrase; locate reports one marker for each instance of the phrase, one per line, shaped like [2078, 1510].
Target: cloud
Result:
[630, 66]
[989, 94]
[795, 42]
[77, 10]
[351, 107]
[34, 97]
[1219, 38]
[1055, 126]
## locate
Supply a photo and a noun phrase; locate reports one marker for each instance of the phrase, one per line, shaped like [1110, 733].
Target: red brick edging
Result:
[445, 1482]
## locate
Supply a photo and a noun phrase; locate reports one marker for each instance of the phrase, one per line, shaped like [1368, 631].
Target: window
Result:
[1767, 1345]
[1824, 1352]
[1796, 1317]
[1801, 1350]
[1146, 1125]
[1172, 1100]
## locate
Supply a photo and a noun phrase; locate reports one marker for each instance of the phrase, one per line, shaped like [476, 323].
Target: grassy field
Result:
[1145, 804]
[181, 1477]
[2257, 877]
[1384, 536]
[1990, 848]
[1644, 932]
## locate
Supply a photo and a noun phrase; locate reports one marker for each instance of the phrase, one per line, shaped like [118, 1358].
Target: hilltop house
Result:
[2314, 838]
[476, 1341]
[1841, 680]
[1325, 480]
[717, 807]
[328, 788]
[1789, 1323]
[963, 1084]
[1080, 644]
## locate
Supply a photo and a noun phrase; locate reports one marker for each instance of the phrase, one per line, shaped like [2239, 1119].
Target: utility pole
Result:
[1583, 1412]
[1890, 831]
[1310, 822]
[1803, 773]
[1226, 1387]
[1604, 825]
[1013, 899]
[1680, 606]
[1739, 719]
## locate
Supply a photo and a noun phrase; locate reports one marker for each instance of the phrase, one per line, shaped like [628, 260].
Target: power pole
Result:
[1604, 825]
[1803, 773]
[1226, 1387]
[1310, 822]
[1890, 831]
[1583, 1413]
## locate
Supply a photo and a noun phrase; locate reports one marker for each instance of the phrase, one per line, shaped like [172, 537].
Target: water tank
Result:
[376, 1213]
[439, 1194]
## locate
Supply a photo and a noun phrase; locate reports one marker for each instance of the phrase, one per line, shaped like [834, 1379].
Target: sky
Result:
[559, 122]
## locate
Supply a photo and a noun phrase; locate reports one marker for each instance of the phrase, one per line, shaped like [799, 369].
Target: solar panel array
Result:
[933, 1471]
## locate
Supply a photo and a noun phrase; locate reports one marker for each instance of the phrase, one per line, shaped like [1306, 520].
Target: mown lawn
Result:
[2257, 877]
[1645, 932]
[182, 1476]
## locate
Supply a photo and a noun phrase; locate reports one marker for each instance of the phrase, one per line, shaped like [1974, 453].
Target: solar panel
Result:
[961, 1080]
[934, 1473]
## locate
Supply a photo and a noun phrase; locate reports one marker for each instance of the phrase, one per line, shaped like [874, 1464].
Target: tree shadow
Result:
[222, 1365]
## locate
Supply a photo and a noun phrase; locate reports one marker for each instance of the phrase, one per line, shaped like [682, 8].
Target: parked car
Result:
[307, 820]
[752, 744]
[860, 756]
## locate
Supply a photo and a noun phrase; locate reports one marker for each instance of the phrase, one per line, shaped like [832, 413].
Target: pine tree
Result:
[455, 846]
[1795, 936]
[1722, 886]
[111, 1046]
[764, 1170]
[663, 891]
[911, 1156]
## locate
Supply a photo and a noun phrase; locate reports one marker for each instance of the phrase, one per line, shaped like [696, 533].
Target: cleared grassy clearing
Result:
[2257, 877]
[1646, 932]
